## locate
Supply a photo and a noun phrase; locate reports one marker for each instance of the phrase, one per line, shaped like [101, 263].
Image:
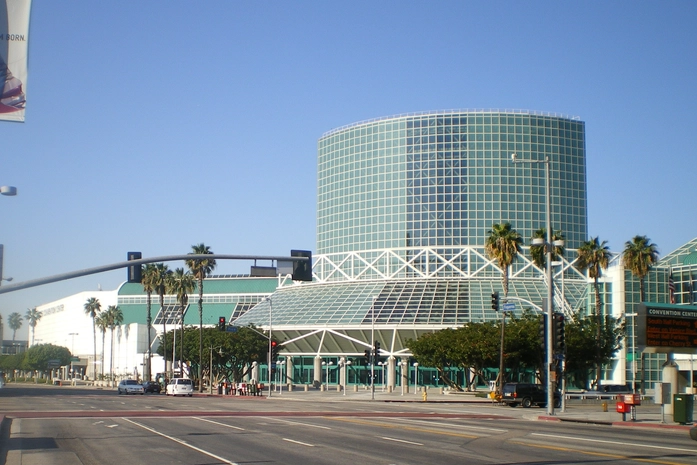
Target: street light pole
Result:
[550, 291]
[268, 299]
[372, 350]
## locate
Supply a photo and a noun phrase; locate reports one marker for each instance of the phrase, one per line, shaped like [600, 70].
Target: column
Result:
[289, 371]
[391, 373]
[317, 377]
[404, 362]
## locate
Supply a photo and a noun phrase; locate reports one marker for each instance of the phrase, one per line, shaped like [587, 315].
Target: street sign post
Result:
[509, 307]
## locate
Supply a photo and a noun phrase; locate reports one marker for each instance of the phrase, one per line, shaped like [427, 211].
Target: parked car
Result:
[180, 387]
[527, 395]
[152, 386]
[615, 389]
[130, 386]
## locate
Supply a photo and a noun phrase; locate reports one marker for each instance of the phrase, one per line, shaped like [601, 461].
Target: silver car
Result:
[130, 386]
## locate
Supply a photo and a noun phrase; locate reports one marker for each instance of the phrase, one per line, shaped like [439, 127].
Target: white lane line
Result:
[218, 423]
[183, 443]
[602, 441]
[402, 440]
[301, 424]
[111, 426]
[458, 426]
[298, 442]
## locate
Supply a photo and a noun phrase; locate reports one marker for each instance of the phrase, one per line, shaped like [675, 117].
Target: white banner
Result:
[14, 39]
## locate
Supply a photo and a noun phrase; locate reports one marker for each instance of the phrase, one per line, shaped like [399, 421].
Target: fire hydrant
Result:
[424, 396]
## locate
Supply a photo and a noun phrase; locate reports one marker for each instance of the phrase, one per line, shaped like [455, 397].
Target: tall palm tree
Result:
[92, 309]
[160, 275]
[102, 322]
[503, 245]
[200, 269]
[539, 257]
[114, 318]
[639, 256]
[33, 316]
[15, 322]
[148, 279]
[594, 256]
[181, 283]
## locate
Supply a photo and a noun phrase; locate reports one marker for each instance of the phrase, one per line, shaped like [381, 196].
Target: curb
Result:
[627, 424]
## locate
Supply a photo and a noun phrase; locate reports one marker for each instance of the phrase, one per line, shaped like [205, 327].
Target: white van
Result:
[180, 387]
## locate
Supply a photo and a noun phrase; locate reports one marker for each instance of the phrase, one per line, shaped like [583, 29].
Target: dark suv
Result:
[527, 395]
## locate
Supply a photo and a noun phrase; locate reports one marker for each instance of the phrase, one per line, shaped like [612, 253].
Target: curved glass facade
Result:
[441, 179]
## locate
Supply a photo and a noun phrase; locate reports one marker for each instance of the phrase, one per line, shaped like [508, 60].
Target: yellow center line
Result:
[598, 454]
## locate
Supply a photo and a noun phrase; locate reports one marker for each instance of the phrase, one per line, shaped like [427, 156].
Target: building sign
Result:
[667, 328]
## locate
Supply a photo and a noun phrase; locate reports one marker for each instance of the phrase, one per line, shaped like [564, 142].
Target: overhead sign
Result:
[53, 363]
[14, 39]
[667, 328]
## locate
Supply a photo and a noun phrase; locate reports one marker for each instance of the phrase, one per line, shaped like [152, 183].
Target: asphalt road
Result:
[76, 426]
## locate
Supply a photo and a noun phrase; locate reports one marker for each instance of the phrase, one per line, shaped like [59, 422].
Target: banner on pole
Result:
[14, 40]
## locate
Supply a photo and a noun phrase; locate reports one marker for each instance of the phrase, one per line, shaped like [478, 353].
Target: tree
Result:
[102, 322]
[15, 322]
[537, 252]
[181, 284]
[200, 268]
[639, 256]
[92, 309]
[37, 357]
[159, 282]
[149, 280]
[594, 256]
[33, 316]
[114, 318]
[503, 245]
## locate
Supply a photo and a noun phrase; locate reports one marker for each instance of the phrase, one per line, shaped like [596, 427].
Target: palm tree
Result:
[92, 309]
[148, 281]
[503, 245]
[159, 283]
[102, 323]
[33, 316]
[181, 283]
[200, 269]
[594, 256]
[639, 256]
[539, 258]
[15, 322]
[114, 318]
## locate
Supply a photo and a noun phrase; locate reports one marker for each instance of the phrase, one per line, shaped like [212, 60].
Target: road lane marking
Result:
[455, 425]
[598, 454]
[407, 428]
[218, 423]
[401, 440]
[603, 441]
[298, 423]
[298, 442]
[183, 443]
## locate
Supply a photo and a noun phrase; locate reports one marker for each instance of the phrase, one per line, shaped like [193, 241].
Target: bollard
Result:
[307, 387]
[604, 404]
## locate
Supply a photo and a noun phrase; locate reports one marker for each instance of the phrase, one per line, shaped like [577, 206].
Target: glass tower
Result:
[441, 179]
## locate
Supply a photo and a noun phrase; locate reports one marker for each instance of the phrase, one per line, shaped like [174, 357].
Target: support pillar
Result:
[317, 375]
[391, 373]
[289, 371]
[405, 374]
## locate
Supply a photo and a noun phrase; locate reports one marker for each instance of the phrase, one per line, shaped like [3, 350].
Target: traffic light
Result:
[495, 301]
[542, 331]
[559, 333]
[221, 323]
[135, 271]
[274, 348]
[377, 350]
[366, 354]
[302, 271]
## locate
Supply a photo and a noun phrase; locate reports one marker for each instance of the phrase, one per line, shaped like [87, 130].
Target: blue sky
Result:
[153, 126]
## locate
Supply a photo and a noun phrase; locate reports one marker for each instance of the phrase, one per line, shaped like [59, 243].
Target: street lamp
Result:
[279, 372]
[416, 377]
[372, 349]
[345, 364]
[550, 292]
[72, 353]
[210, 375]
[326, 375]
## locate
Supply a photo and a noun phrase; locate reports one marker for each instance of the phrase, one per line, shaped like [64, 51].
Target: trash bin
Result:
[220, 388]
[683, 405]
